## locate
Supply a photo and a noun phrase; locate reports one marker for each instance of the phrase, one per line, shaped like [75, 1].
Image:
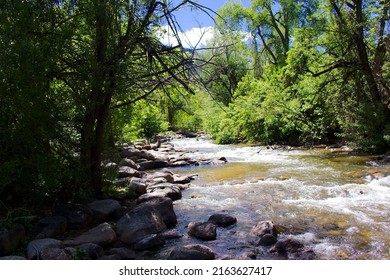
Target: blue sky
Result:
[197, 25]
[188, 18]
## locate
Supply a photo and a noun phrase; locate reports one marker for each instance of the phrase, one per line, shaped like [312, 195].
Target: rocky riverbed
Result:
[113, 229]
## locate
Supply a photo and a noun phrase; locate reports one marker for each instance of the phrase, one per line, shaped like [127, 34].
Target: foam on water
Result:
[344, 217]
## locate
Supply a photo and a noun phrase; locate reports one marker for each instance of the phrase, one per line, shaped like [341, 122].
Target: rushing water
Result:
[336, 204]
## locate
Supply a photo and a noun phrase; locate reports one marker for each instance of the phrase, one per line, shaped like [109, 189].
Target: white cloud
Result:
[195, 37]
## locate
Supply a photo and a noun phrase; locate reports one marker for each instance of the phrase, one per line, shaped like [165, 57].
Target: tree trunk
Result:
[363, 55]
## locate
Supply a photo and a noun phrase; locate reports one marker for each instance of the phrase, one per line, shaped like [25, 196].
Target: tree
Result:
[70, 64]
[226, 64]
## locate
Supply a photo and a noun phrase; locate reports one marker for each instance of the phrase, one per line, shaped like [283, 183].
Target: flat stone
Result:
[102, 235]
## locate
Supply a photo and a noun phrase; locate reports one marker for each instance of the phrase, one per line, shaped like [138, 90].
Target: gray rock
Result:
[147, 155]
[223, 220]
[191, 252]
[292, 248]
[164, 206]
[170, 190]
[265, 240]
[262, 228]
[203, 230]
[149, 196]
[218, 161]
[104, 209]
[102, 235]
[129, 153]
[179, 163]
[139, 222]
[122, 182]
[35, 247]
[149, 242]
[290, 245]
[125, 171]
[160, 163]
[59, 254]
[181, 179]
[90, 251]
[138, 185]
[51, 226]
[78, 216]
[11, 238]
[128, 162]
[146, 165]
[165, 175]
[263, 233]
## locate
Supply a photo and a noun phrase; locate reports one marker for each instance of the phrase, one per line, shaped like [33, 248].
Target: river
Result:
[335, 203]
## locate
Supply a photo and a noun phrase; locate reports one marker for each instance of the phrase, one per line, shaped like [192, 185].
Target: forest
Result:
[77, 77]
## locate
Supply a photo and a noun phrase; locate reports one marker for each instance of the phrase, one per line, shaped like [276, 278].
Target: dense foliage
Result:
[76, 77]
[318, 72]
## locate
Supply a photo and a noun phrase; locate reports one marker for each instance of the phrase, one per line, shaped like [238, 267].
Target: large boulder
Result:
[164, 206]
[11, 238]
[139, 222]
[146, 165]
[137, 185]
[128, 162]
[129, 152]
[125, 171]
[35, 247]
[191, 252]
[104, 209]
[149, 242]
[263, 233]
[68, 253]
[166, 189]
[168, 177]
[50, 227]
[223, 220]
[203, 230]
[78, 216]
[102, 235]
[90, 251]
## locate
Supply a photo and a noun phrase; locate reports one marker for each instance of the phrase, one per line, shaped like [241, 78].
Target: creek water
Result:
[335, 203]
